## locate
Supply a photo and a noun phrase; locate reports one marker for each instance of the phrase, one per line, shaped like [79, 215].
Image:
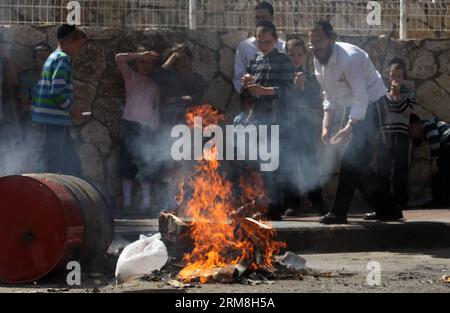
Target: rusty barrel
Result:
[48, 220]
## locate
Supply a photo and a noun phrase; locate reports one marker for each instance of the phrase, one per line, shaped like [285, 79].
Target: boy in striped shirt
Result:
[52, 107]
[437, 135]
[393, 155]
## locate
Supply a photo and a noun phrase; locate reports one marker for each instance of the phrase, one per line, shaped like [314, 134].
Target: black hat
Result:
[325, 26]
[65, 30]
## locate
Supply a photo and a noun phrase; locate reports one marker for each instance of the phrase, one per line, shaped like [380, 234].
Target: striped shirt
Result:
[245, 52]
[54, 93]
[273, 70]
[437, 134]
[397, 119]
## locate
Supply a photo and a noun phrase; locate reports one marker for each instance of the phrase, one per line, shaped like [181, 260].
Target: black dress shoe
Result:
[332, 218]
[376, 217]
[371, 216]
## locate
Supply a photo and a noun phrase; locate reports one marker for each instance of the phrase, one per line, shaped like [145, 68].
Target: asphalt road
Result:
[395, 271]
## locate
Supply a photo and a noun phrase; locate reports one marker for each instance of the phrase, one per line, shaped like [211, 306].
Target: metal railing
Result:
[420, 17]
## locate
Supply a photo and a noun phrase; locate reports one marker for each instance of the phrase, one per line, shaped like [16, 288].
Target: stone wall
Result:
[425, 20]
[99, 87]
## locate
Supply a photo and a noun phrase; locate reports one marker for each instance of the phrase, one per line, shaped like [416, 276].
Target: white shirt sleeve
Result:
[354, 75]
[240, 67]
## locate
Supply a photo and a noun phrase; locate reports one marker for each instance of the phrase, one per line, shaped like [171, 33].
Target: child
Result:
[53, 107]
[140, 121]
[269, 80]
[304, 105]
[437, 135]
[29, 80]
[393, 155]
[183, 86]
[9, 74]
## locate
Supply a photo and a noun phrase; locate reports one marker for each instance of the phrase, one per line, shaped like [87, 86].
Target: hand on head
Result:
[150, 55]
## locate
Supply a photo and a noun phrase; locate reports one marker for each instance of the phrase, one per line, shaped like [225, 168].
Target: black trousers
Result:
[392, 162]
[440, 186]
[357, 173]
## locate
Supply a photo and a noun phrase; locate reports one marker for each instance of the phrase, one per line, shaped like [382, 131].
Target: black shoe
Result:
[371, 216]
[376, 217]
[332, 218]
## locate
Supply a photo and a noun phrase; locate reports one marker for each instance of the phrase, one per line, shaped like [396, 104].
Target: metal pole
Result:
[403, 24]
[192, 14]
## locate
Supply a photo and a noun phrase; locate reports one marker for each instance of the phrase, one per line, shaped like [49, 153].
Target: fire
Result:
[219, 241]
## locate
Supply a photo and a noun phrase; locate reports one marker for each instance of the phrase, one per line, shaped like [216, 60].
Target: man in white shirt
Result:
[247, 49]
[349, 80]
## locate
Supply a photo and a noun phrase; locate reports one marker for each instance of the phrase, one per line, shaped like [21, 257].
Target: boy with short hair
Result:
[139, 126]
[248, 48]
[269, 80]
[8, 74]
[393, 155]
[29, 80]
[304, 104]
[52, 107]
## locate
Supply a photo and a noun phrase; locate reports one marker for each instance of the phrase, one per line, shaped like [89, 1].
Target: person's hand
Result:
[342, 135]
[326, 135]
[174, 57]
[78, 116]
[434, 167]
[257, 90]
[395, 90]
[150, 55]
[299, 80]
[247, 80]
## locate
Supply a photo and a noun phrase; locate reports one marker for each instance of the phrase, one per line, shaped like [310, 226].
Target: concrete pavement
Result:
[420, 229]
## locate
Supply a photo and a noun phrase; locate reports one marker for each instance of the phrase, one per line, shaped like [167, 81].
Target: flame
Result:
[207, 112]
[219, 241]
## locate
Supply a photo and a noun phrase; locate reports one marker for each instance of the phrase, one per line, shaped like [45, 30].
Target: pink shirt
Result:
[142, 98]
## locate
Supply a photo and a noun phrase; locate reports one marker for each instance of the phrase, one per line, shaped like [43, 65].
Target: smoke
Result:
[18, 154]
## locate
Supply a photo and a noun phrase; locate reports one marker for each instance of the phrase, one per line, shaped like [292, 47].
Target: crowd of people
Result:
[275, 88]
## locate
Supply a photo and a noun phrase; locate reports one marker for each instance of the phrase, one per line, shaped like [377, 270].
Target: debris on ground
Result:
[255, 279]
[446, 278]
[292, 261]
[178, 284]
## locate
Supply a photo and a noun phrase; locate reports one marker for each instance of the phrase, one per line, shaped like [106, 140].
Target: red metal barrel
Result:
[47, 220]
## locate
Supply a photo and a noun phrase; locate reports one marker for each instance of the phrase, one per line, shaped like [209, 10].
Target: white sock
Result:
[127, 189]
[145, 195]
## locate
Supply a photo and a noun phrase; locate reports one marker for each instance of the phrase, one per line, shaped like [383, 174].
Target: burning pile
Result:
[224, 238]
